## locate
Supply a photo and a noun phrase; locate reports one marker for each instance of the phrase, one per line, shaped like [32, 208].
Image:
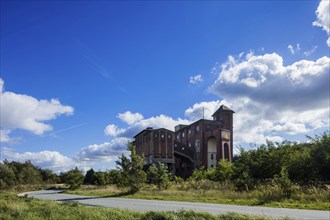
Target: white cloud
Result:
[196, 79]
[203, 108]
[278, 100]
[129, 117]
[4, 135]
[112, 130]
[161, 121]
[25, 112]
[323, 17]
[45, 159]
[103, 152]
[293, 49]
[311, 51]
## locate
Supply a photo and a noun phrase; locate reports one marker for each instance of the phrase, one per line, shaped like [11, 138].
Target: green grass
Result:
[14, 207]
[317, 199]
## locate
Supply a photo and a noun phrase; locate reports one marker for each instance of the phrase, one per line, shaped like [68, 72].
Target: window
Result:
[169, 136]
[178, 137]
[163, 136]
[189, 144]
[212, 157]
[182, 134]
[189, 132]
[155, 135]
[197, 147]
[197, 128]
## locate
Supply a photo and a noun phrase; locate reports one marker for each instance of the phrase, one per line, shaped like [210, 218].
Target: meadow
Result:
[209, 192]
[26, 208]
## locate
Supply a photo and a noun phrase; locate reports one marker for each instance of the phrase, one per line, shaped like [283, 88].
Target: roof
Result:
[150, 129]
[223, 108]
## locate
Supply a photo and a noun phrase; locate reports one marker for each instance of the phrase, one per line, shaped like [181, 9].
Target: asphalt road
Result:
[157, 205]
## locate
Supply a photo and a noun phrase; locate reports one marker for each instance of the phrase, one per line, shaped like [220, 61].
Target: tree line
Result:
[283, 164]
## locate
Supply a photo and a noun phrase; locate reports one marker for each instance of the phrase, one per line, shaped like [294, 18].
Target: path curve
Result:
[159, 205]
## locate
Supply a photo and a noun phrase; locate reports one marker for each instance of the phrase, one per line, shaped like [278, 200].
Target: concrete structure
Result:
[202, 143]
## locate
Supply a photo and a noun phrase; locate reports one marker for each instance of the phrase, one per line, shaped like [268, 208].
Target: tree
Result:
[48, 176]
[283, 181]
[114, 176]
[223, 171]
[89, 177]
[7, 177]
[131, 170]
[74, 178]
[101, 178]
[160, 175]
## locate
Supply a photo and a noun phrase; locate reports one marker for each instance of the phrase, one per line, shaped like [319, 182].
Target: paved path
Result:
[158, 205]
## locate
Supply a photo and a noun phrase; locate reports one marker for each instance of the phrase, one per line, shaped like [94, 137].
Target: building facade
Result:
[202, 143]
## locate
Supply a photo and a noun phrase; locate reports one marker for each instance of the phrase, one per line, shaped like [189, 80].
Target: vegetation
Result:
[131, 170]
[160, 175]
[74, 178]
[14, 207]
[288, 174]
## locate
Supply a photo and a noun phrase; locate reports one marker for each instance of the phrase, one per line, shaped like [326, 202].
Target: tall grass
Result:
[215, 192]
[14, 207]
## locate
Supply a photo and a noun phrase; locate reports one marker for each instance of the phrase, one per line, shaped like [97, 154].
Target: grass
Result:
[310, 198]
[14, 207]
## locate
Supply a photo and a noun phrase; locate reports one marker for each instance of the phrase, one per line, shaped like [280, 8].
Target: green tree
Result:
[320, 152]
[223, 171]
[30, 175]
[283, 181]
[89, 177]
[101, 178]
[131, 170]
[7, 177]
[160, 175]
[114, 176]
[74, 178]
[48, 176]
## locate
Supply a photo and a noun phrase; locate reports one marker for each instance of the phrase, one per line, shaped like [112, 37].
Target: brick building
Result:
[202, 143]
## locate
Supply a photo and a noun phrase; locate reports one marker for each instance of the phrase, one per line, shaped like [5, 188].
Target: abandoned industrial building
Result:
[202, 143]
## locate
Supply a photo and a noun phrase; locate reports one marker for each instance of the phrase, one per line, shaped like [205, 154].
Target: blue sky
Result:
[79, 78]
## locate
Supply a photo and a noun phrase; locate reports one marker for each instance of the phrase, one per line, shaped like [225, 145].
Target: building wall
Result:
[190, 146]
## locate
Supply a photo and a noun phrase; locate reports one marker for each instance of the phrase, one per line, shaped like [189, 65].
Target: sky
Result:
[80, 78]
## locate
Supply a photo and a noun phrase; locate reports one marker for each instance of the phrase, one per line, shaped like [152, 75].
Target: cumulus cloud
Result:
[103, 152]
[112, 130]
[196, 79]
[46, 159]
[129, 117]
[202, 109]
[161, 121]
[19, 111]
[323, 17]
[271, 99]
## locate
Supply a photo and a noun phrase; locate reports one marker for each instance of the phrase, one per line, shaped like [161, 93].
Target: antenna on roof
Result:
[203, 112]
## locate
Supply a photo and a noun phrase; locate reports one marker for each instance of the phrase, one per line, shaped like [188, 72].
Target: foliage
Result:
[74, 178]
[14, 174]
[89, 177]
[114, 176]
[222, 172]
[101, 178]
[159, 175]
[284, 183]
[131, 170]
